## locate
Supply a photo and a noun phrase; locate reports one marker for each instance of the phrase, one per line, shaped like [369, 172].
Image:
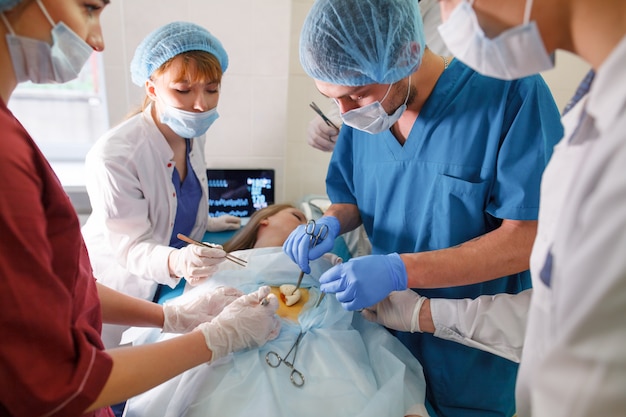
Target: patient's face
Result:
[281, 224]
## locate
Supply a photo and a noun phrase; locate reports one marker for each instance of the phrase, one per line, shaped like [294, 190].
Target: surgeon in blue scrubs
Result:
[442, 166]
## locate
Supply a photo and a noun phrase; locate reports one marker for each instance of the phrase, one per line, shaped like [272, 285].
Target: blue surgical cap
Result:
[168, 41]
[8, 4]
[361, 42]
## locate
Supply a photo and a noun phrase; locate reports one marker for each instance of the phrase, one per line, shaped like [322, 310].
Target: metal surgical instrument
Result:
[319, 300]
[322, 115]
[274, 360]
[322, 233]
[232, 258]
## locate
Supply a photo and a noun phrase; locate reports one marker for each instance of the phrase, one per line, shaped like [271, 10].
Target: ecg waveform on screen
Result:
[218, 183]
[240, 194]
[229, 202]
[237, 213]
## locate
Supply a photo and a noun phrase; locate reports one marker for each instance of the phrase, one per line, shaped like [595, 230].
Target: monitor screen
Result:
[239, 192]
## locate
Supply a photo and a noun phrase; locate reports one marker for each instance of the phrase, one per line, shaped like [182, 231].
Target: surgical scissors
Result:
[274, 360]
[314, 238]
[322, 233]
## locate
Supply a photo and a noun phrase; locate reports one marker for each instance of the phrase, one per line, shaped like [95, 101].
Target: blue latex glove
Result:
[364, 281]
[298, 244]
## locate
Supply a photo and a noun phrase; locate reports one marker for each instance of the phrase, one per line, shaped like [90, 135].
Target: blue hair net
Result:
[168, 41]
[360, 42]
[8, 4]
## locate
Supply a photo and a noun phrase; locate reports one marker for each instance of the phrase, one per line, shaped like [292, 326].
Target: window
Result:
[64, 119]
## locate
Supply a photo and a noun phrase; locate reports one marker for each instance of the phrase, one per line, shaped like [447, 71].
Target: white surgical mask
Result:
[373, 118]
[35, 60]
[187, 124]
[515, 53]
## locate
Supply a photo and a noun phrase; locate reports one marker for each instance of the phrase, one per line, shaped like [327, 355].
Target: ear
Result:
[264, 222]
[150, 89]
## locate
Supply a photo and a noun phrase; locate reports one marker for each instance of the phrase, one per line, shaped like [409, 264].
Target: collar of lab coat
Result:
[606, 97]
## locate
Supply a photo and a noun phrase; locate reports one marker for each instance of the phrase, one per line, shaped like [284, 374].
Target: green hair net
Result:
[360, 42]
[168, 41]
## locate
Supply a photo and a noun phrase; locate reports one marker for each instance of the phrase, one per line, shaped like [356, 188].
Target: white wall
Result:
[565, 77]
[264, 105]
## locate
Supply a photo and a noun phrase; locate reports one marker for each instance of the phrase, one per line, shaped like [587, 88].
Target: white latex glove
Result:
[399, 311]
[221, 223]
[182, 318]
[320, 135]
[195, 263]
[244, 323]
[332, 258]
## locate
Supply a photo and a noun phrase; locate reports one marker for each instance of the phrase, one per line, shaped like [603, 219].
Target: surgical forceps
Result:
[322, 115]
[322, 233]
[274, 360]
[232, 258]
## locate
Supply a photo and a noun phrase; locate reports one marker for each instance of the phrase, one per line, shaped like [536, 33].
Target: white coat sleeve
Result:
[495, 324]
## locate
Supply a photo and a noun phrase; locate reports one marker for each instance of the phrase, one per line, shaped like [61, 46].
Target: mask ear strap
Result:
[408, 91]
[529, 6]
[387, 93]
[45, 13]
[7, 24]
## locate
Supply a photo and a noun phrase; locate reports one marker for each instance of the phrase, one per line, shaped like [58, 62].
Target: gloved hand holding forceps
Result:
[195, 263]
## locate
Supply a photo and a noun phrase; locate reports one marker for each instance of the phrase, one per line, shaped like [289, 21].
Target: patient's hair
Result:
[246, 237]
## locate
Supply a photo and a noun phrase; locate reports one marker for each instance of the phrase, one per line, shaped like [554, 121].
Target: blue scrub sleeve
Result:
[528, 142]
[339, 182]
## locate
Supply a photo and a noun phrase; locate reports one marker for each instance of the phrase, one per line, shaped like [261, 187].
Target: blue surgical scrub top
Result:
[188, 195]
[474, 156]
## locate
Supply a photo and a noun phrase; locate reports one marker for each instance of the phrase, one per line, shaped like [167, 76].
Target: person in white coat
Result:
[572, 337]
[146, 178]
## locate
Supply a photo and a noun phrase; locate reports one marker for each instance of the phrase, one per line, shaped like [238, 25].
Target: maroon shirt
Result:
[52, 361]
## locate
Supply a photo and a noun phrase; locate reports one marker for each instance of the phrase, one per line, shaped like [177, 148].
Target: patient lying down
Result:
[348, 366]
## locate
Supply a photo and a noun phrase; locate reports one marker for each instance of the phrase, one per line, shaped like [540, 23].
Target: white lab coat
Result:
[493, 323]
[129, 181]
[573, 359]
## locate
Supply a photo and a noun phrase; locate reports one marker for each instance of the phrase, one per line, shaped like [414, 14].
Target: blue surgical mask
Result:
[187, 124]
[515, 53]
[35, 60]
[373, 118]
